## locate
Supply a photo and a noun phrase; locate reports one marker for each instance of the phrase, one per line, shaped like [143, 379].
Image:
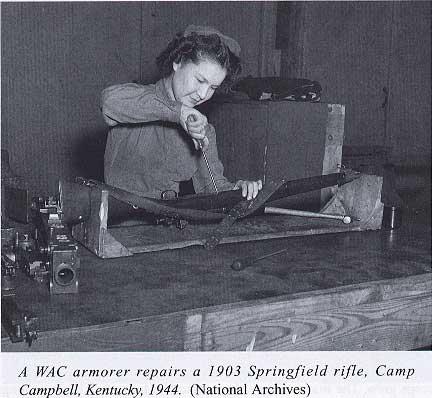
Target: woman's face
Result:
[193, 84]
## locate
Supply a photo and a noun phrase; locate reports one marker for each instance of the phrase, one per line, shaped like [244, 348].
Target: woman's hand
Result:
[196, 125]
[249, 189]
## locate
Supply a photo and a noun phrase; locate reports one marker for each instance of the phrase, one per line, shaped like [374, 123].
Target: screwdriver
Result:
[240, 264]
[192, 118]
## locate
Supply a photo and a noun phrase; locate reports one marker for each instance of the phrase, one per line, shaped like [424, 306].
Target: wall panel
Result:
[162, 20]
[409, 113]
[35, 45]
[105, 50]
[355, 50]
[346, 49]
[56, 59]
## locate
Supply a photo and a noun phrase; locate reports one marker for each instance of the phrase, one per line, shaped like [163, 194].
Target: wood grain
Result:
[399, 324]
[332, 161]
[160, 333]
[190, 299]
[382, 315]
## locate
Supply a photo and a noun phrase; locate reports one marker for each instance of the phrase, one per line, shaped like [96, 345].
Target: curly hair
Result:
[196, 47]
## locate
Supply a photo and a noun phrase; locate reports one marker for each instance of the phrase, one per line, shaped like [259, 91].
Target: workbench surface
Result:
[366, 290]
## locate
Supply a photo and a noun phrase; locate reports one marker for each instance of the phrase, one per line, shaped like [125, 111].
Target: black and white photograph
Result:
[227, 177]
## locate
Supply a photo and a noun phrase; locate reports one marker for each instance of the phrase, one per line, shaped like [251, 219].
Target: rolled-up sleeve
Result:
[134, 103]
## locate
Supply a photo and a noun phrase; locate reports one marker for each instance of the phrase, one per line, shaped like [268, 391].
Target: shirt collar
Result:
[161, 89]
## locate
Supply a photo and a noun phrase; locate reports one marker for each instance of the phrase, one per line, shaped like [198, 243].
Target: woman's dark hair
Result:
[196, 47]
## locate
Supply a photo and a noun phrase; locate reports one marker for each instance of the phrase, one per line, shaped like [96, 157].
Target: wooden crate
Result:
[279, 139]
[360, 199]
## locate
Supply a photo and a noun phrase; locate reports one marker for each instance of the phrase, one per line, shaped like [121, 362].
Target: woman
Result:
[157, 135]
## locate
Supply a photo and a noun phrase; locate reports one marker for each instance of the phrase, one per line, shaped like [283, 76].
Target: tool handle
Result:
[301, 213]
[192, 118]
[242, 263]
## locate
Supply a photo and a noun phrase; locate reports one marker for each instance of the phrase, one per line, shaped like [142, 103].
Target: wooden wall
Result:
[56, 59]
[58, 56]
[409, 112]
[358, 51]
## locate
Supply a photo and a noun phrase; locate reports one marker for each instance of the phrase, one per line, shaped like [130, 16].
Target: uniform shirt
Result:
[147, 150]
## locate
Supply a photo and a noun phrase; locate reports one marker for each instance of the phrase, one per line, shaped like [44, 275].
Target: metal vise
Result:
[51, 254]
[55, 247]
[20, 325]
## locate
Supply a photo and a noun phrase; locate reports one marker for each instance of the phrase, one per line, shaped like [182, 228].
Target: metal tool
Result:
[301, 213]
[169, 194]
[50, 254]
[240, 264]
[191, 118]
[20, 325]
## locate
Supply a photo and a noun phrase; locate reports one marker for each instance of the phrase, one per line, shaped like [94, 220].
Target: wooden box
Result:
[279, 139]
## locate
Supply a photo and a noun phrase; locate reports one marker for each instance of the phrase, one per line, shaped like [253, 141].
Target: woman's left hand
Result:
[249, 189]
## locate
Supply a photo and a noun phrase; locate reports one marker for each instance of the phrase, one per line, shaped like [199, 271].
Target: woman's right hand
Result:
[195, 124]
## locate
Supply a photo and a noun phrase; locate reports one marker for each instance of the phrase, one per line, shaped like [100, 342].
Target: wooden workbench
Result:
[346, 291]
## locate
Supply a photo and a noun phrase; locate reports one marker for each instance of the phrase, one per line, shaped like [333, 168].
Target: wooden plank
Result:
[149, 238]
[192, 333]
[390, 308]
[158, 333]
[296, 146]
[360, 199]
[392, 314]
[269, 63]
[399, 324]
[290, 36]
[241, 137]
[332, 161]
[93, 233]
[296, 139]
[319, 300]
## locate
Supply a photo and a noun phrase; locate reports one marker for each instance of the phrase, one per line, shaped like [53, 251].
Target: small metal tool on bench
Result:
[240, 264]
[191, 118]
